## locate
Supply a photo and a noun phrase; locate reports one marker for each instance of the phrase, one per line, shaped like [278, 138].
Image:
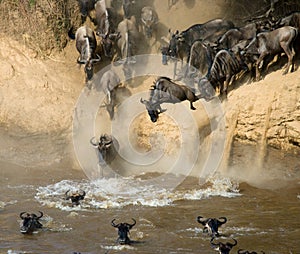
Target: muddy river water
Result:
[261, 217]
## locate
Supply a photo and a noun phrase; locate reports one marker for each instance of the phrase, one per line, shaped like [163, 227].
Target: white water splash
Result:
[120, 192]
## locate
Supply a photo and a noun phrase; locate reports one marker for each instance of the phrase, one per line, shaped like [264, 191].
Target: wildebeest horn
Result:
[240, 251]
[232, 244]
[113, 224]
[66, 194]
[93, 144]
[21, 215]
[96, 59]
[134, 222]
[201, 222]
[144, 21]
[41, 215]
[143, 101]
[224, 220]
[214, 244]
[81, 61]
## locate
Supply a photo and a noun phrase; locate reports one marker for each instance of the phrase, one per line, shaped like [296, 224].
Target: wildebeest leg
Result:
[259, 60]
[191, 106]
[290, 54]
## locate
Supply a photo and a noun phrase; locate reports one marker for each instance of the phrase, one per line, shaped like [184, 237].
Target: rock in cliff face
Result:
[267, 112]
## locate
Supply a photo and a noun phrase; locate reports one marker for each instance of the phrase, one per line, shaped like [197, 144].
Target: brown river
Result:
[262, 215]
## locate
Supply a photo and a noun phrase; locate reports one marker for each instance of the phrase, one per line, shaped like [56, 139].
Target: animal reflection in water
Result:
[165, 90]
[211, 225]
[123, 231]
[30, 222]
[107, 148]
[75, 197]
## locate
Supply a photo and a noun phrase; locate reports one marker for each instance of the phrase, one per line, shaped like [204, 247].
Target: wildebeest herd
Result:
[212, 54]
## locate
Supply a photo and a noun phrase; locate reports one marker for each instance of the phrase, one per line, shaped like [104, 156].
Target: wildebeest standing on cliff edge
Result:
[86, 45]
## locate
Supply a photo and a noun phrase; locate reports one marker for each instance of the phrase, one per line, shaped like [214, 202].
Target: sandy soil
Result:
[37, 96]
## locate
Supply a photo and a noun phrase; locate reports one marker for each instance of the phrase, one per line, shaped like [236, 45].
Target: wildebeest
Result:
[30, 222]
[106, 20]
[149, 19]
[128, 39]
[85, 7]
[240, 251]
[200, 58]
[167, 91]
[86, 46]
[272, 43]
[211, 225]
[109, 83]
[107, 147]
[75, 197]
[180, 43]
[128, 8]
[223, 248]
[225, 65]
[123, 231]
[235, 35]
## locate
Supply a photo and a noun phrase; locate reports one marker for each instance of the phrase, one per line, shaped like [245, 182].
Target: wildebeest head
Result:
[30, 222]
[149, 19]
[173, 45]
[89, 66]
[85, 6]
[75, 197]
[211, 225]
[108, 44]
[222, 248]
[123, 231]
[106, 147]
[153, 109]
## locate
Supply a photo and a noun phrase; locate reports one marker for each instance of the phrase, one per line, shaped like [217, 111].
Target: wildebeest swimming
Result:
[223, 248]
[30, 222]
[123, 231]
[75, 197]
[167, 91]
[211, 225]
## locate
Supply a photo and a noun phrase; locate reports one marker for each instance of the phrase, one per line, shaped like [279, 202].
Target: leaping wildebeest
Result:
[30, 222]
[86, 45]
[223, 248]
[107, 147]
[166, 91]
[211, 225]
[123, 231]
[272, 43]
[75, 197]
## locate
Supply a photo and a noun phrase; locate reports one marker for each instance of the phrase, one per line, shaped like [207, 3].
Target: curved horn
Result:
[81, 61]
[201, 222]
[143, 101]
[93, 144]
[240, 251]
[96, 59]
[134, 222]
[113, 224]
[21, 215]
[41, 215]
[66, 194]
[224, 220]
[232, 244]
[144, 21]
